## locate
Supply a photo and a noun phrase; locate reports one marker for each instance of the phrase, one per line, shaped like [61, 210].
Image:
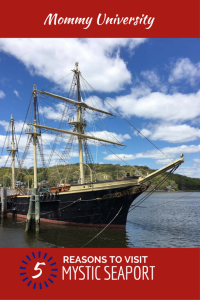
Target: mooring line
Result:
[103, 228]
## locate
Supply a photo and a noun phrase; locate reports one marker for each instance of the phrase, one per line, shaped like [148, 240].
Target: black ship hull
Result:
[96, 207]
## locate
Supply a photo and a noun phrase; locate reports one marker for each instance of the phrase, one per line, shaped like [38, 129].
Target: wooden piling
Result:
[37, 213]
[32, 211]
[4, 203]
[30, 220]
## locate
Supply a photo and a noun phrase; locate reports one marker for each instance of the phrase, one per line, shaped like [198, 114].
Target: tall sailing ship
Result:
[88, 202]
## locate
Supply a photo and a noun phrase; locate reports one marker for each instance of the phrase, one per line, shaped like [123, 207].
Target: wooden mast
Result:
[13, 151]
[79, 126]
[33, 216]
[35, 135]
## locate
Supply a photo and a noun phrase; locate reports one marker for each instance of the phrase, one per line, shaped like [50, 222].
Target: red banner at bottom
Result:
[100, 273]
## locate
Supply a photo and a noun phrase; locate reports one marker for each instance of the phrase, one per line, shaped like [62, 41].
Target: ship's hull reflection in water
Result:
[52, 235]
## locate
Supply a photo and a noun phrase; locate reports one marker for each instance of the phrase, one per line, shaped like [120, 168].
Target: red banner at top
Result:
[147, 18]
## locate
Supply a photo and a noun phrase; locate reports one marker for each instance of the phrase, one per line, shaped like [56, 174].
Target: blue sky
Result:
[154, 83]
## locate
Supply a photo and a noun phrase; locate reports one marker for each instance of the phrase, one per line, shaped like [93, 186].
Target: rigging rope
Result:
[24, 121]
[62, 121]
[8, 131]
[57, 81]
[103, 228]
[54, 151]
[98, 116]
[111, 151]
[7, 160]
[133, 206]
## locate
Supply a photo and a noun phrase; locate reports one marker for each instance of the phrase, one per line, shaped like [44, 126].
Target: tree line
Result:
[100, 172]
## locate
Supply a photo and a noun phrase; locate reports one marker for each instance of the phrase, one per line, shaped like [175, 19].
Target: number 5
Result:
[38, 269]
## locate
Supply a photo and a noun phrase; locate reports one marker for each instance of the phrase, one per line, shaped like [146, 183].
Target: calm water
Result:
[159, 222]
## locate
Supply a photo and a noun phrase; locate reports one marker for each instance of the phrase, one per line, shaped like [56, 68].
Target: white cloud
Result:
[99, 59]
[51, 113]
[156, 105]
[196, 161]
[110, 136]
[153, 80]
[196, 121]
[162, 161]
[18, 125]
[184, 69]
[145, 132]
[2, 94]
[120, 156]
[96, 102]
[172, 152]
[140, 91]
[173, 133]
[16, 94]
[189, 171]
[3, 160]
[152, 77]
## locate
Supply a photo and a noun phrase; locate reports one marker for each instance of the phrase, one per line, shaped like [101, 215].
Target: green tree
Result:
[39, 177]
